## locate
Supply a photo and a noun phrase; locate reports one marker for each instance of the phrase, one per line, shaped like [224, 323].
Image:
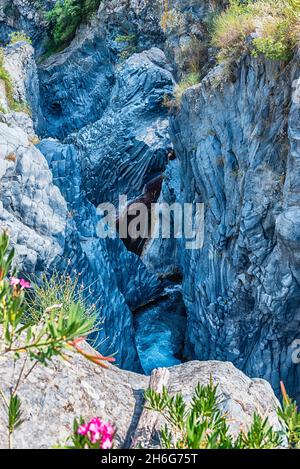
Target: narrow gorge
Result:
[104, 122]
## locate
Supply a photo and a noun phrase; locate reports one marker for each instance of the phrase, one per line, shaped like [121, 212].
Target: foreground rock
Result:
[52, 397]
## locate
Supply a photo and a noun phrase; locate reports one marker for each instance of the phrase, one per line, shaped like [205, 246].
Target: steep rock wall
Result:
[129, 146]
[237, 141]
[75, 85]
[53, 225]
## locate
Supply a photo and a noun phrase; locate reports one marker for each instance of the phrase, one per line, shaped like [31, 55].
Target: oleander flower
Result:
[83, 429]
[14, 281]
[21, 282]
[24, 284]
[96, 430]
[106, 443]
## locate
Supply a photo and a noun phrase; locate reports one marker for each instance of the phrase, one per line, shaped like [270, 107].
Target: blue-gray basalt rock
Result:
[237, 139]
[130, 144]
[32, 208]
[26, 16]
[53, 225]
[116, 281]
[162, 255]
[19, 61]
[75, 85]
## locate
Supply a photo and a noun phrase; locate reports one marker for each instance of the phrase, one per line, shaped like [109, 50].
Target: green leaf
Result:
[14, 413]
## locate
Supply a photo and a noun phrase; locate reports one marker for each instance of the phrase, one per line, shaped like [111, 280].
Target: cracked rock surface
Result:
[65, 390]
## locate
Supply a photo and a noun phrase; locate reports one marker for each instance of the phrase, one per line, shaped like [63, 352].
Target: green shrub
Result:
[230, 28]
[126, 38]
[59, 289]
[173, 102]
[276, 22]
[290, 419]
[65, 18]
[19, 36]
[130, 45]
[202, 425]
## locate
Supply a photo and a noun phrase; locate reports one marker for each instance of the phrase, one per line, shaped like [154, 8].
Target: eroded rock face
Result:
[20, 64]
[31, 206]
[237, 142]
[75, 85]
[163, 256]
[177, 27]
[129, 146]
[115, 279]
[53, 225]
[118, 154]
[64, 391]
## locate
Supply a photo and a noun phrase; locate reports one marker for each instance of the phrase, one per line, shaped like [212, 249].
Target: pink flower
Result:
[98, 431]
[24, 284]
[83, 429]
[106, 443]
[108, 429]
[14, 281]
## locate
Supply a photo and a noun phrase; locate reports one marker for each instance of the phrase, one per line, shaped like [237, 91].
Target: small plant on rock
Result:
[19, 36]
[9, 89]
[290, 419]
[28, 339]
[202, 425]
[173, 103]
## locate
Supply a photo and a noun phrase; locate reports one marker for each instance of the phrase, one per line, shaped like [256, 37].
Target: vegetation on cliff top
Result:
[268, 28]
[65, 18]
[273, 24]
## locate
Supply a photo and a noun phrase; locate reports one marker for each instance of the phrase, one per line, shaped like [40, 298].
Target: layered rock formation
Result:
[56, 229]
[32, 207]
[235, 138]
